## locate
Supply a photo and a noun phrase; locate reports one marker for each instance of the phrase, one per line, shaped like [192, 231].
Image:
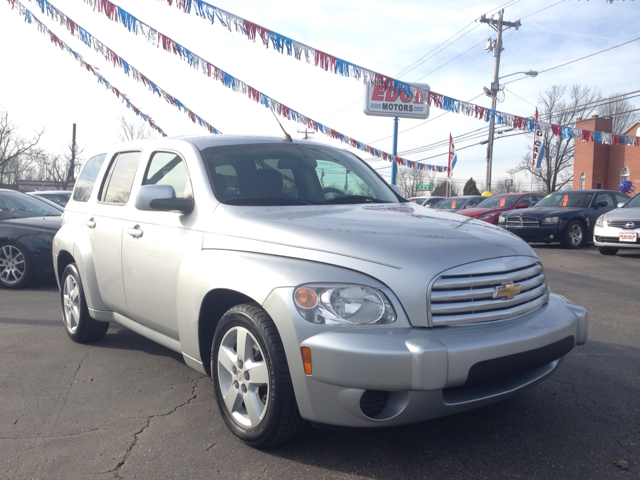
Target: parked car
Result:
[27, 227]
[428, 202]
[61, 197]
[454, 204]
[567, 216]
[618, 228]
[57, 206]
[490, 209]
[295, 277]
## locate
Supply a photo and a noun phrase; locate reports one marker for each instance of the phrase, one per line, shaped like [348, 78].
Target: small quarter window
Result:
[84, 185]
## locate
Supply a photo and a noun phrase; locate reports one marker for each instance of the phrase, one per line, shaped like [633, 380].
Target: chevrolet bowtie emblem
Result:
[508, 290]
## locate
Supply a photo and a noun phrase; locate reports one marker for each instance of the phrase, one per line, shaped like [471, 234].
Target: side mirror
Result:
[602, 204]
[621, 204]
[522, 205]
[162, 198]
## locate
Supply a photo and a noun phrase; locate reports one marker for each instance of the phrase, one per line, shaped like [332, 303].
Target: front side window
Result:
[566, 199]
[605, 197]
[292, 174]
[623, 198]
[119, 179]
[84, 184]
[168, 169]
[498, 202]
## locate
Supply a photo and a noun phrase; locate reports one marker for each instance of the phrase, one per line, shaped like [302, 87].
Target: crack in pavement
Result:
[619, 441]
[598, 408]
[66, 397]
[43, 437]
[136, 436]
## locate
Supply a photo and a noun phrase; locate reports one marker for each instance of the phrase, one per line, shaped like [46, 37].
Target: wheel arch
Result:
[214, 305]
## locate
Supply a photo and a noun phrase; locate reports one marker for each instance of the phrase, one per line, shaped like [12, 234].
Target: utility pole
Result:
[72, 162]
[306, 133]
[498, 25]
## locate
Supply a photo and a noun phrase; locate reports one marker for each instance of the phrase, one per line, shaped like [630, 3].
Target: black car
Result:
[27, 228]
[567, 216]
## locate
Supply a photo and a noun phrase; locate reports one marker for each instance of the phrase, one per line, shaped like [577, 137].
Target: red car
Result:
[490, 209]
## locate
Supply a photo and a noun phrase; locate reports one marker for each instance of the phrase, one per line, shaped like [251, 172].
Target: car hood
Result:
[46, 223]
[478, 212]
[624, 214]
[398, 235]
[539, 212]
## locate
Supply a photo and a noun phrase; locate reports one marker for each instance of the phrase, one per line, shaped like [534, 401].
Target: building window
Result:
[599, 185]
[582, 180]
[624, 175]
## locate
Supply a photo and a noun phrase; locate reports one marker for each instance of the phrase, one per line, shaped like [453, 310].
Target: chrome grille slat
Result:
[623, 223]
[466, 294]
[522, 222]
[476, 281]
[480, 306]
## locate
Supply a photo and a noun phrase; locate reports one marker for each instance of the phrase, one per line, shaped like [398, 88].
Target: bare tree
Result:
[58, 168]
[621, 112]
[409, 179]
[14, 150]
[559, 107]
[134, 131]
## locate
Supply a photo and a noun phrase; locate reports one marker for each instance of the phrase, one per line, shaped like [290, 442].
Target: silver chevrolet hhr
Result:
[294, 276]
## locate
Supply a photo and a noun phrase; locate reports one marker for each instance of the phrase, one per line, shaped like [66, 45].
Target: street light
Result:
[493, 93]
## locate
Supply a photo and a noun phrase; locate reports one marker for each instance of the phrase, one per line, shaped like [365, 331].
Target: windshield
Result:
[292, 174]
[566, 199]
[497, 202]
[19, 205]
[634, 202]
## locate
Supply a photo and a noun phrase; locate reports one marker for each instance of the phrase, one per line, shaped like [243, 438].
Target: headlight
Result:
[484, 217]
[502, 219]
[600, 221]
[343, 305]
[550, 220]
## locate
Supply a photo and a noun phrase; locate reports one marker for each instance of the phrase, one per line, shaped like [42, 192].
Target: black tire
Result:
[15, 265]
[608, 250]
[78, 323]
[272, 417]
[574, 235]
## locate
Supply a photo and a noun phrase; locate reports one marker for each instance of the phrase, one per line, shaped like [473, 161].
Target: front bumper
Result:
[543, 233]
[421, 373]
[610, 237]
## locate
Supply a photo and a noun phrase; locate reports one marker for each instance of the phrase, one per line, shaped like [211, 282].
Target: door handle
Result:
[91, 223]
[135, 232]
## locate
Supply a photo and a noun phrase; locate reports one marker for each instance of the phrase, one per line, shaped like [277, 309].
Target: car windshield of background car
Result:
[634, 202]
[19, 205]
[566, 199]
[497, 202]
[292, 174]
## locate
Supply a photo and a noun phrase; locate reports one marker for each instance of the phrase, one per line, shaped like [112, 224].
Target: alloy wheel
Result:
[575, 234]
[71, 303]
[12, 265]
[243, 377]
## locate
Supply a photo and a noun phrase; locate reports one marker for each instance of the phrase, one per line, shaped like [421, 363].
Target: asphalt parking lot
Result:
[126, 407]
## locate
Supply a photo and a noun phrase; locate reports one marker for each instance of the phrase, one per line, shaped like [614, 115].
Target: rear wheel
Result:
[15, 265]
[251, 379]
[608, 250]
[573, 235]
[80, 326]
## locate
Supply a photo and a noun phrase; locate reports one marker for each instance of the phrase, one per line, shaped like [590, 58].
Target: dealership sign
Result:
[389, 102]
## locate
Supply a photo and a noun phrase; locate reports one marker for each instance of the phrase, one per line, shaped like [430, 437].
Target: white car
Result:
[618, 228]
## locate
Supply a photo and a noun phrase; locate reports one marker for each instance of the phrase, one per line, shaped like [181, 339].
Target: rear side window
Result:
[84, 185]
[119, 179]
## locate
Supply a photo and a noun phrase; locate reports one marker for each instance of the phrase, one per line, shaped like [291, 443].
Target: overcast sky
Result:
[43, 86]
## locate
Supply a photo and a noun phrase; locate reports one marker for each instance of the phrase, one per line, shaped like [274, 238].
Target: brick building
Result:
[598, 165]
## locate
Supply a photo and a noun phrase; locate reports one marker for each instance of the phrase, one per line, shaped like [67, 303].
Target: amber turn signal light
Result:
[306, 298]
[306, 359]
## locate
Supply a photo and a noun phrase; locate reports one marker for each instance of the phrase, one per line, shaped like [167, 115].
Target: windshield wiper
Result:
[269, 201]
[355, 199]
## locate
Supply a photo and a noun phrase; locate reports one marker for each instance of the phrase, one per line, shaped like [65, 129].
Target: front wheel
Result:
[608, 250]
[80, 326]
[573, 235]
[251, 379]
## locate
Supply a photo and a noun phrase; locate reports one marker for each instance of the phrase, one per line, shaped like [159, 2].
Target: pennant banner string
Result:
[32, 19]
[113, 58]
[324, 60]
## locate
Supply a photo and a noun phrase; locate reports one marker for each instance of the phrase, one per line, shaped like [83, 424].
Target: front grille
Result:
[469, 293]
[615, 240]
[519, 222]
[623, 223]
